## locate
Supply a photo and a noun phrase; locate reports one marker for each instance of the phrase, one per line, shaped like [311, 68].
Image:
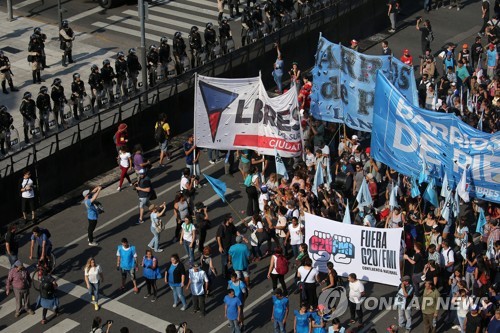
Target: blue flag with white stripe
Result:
[280, 166]
[481, 222]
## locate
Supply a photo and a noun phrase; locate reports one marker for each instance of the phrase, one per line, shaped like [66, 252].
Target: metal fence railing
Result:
[218, 67]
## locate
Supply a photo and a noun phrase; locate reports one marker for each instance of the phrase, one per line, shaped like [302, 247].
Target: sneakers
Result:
[183, 308]
[392, 31]
[174, 305]
[118, 189]
[139, 222]
[456, 327]
[147, 295]
[96, 306]
[17, 314]
[93, 243]
[153, 299]
[450, 7]
[211, 162]
[159, 251]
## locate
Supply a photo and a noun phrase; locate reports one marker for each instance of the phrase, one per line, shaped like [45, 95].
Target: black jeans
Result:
[90, 230]
[281, 278]
[253, 201]
[151, 286]
[199, 303]
[356, 309]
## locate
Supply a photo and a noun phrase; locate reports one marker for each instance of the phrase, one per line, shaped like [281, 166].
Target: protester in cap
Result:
[151, 272]
[474, 321]
[372, 187]
[121, 137]
[143, 188]
[239, 259]
[92, 213]
[20, 281]
[198, 284]
[430, 307]
[406, 58]
[403, 300]
[354, 45]
[126, 263]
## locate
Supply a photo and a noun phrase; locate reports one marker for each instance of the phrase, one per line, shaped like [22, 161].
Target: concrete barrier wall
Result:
[71, 167]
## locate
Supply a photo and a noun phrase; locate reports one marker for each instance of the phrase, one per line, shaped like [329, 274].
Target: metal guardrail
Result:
[217, 67]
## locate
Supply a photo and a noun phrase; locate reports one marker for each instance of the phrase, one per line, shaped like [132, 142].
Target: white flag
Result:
[364, 197]
[347, 215]
[445, 188]
[393, 199]
[463, 187]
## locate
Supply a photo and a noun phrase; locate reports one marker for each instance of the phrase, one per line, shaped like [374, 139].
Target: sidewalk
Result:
[14, 44]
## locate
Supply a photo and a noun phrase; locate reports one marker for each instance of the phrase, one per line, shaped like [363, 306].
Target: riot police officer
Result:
[196, 46]
[77, 95]
[35, 58]
[133, 67]
[224, 33]
[66, 37]
[246, 26]
[164, 56]
[121, 74]
[41, 39]
[257, 14]
[210, 39]
[6, 73]
[179, 48]
[152, 58]
[57, 95]
[6, 121]
[28, 111]
[96, 87]
[44, 108]
[107, 76]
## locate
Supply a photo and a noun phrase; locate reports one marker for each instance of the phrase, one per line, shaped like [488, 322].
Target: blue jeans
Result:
[213, 154]
[194, 169]
[277, 79]
[279, 327]
[156, 239]
[404, 318]
[235, 326]
[94, 290]
[427, 4]
[189, 251]
[179, 295]
[461, 323]
[295, 249]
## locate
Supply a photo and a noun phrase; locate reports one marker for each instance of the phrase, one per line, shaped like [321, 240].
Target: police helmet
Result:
[164, 40]
[1, 53]
[224, 20]
[76, 76]
[27, 95]
[3, 108]
[131, 51]
[106, 62]
[37, 30]
[57, 82]
[43, 89]
[246, 10]
[209, 25]
[153, 47]
[65, 23]
[256, 5]
[194, 29]
[94, 67]
[120, 54]
[178, 34]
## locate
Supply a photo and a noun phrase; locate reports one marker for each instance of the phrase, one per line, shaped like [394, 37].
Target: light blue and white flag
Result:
[423, 176]
[445, 187]
[318, 179]
[481, 222]
[364, 197]
[447, 209]
[347, 214]
[430, 193]
[463, 187]
[393, 198]
[280, 166]
[415, 191]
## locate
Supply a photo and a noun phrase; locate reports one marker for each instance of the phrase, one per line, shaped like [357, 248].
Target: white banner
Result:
[372, 254]
[238, 114]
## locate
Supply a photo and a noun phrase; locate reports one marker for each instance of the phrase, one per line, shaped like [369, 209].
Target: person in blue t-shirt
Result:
[240, 291]
[317, 321]
[280, 311]
[278, 70]
[233, 311]
[301, 321]
[126, 262]
[92, 214]
[192, 156]
[44, 245]
[239, 257]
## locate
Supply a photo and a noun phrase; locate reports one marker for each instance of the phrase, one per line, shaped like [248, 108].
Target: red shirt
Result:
[121, 138]
[408, 60]
[372, 187]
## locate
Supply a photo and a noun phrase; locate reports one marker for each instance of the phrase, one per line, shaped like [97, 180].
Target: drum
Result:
[340, 181]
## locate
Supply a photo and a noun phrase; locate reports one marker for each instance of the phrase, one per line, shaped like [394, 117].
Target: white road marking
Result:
[84, 14]
[25, 3]
[64, 326]
[7, 307]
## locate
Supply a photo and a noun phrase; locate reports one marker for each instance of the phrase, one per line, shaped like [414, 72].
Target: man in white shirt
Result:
[198, 283]
[356, 297]
[27, 195]
[448, 258]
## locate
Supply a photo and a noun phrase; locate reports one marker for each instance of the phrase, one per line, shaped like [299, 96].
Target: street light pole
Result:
[142, 48]
[60, 11]
[9, 11]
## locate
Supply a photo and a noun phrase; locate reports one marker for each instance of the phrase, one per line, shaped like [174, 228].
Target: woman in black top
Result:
[175, 276]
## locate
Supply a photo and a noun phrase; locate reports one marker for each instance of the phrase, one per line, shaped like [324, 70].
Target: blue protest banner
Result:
[403, 136]
[344, 84]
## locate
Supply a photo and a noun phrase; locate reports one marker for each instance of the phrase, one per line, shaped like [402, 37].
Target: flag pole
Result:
[194, 119]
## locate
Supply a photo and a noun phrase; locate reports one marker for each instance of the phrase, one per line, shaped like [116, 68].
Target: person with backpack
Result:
[47, 298]
[427, 36]
[42, 238]
[20, 281]
[89, 197]
[162, 133]
[278, 268]
[239, 258]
